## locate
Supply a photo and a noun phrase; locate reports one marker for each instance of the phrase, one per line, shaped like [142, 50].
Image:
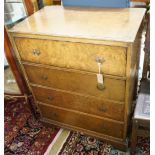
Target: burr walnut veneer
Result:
[57, 49]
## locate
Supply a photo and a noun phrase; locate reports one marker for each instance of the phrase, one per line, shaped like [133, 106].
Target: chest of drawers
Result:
[57, 49]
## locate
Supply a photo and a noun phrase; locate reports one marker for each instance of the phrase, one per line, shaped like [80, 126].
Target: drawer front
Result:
[82, 83]
[76, 102]
[83, 121]
[79, 56]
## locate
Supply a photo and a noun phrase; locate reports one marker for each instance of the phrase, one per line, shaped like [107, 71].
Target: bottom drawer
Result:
[102, 126]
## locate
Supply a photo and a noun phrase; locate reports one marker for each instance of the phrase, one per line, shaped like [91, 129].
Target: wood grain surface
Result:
[73, 55]
[83, 121]
[102, 24]
[85, 83]
[90, 105]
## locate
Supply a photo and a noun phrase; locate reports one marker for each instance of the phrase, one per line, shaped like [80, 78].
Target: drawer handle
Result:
[54, 115]
[50, 98]
[36, 52]
[100, 59]
[103, 109]
[100, 86]
[44, 77]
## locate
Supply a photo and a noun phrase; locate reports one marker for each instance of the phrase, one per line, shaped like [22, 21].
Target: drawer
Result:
[82, 83]
[83, 121]
[79, 56]
[76, 102]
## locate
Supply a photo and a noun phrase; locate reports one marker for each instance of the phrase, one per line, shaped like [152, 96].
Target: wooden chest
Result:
[57, 50]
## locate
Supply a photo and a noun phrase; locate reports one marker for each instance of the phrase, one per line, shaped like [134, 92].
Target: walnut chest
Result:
[60, 51]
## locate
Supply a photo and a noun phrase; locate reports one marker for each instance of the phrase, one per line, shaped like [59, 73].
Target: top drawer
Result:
[81, 56]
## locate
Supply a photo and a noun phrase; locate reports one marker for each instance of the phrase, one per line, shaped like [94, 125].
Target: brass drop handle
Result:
[44, 77]
[100, 59]
[103, 109]
[100, 86]
[50, 98]
[36, 52]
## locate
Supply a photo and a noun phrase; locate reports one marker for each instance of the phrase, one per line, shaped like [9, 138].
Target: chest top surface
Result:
[101, 24]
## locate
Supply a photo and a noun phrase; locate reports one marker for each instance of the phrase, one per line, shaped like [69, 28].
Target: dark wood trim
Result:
[146, 66]
[8, 49]
[57, 2]
[29, 7]
[145, 1]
